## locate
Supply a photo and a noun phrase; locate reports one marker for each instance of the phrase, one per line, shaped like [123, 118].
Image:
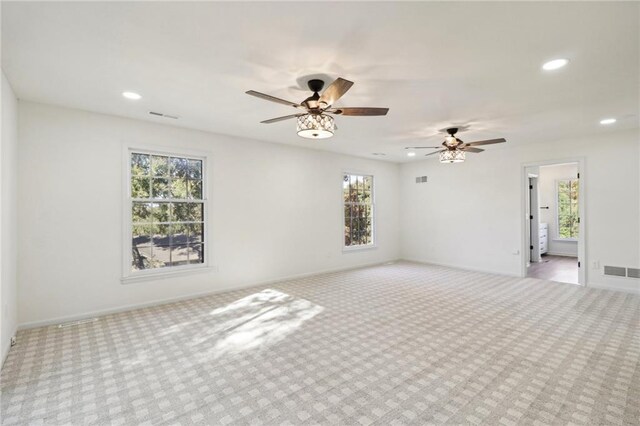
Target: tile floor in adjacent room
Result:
[394, 344]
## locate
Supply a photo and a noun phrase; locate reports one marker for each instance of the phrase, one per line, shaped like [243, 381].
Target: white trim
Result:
[486, 271]
[554, 253]
[615, 288]
[166, 150]
[374, 239]
[361, 247]
[462, 268]
[101, 312]
[173, 272]
[582, 246]
[533, 206]
[108, 311]
[128, 276]
[6, 352]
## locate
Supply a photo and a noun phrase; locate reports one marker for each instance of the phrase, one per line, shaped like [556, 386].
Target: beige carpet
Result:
[393, 344]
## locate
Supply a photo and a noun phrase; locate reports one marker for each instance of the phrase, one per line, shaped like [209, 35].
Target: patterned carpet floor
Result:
[395, 344]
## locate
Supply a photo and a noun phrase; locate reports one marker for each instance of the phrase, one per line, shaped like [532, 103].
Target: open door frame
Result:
[533, 213]
[524, 214]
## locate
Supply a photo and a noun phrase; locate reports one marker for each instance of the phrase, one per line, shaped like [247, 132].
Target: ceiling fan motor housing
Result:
[315, 85]
[311, 103]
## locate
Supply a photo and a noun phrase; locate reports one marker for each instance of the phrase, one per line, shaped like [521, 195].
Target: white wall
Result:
[8, 218]
[276, 212]
[470, 215]
[549, 175]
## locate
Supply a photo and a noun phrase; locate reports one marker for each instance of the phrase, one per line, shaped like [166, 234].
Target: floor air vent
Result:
[616, 271]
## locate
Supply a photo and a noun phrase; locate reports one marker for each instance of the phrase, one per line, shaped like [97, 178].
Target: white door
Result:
[534, 220]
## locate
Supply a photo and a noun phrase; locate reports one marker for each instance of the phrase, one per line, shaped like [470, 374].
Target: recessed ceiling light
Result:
[555, 64]
[131, 95]
[411, 154]
[606, 121]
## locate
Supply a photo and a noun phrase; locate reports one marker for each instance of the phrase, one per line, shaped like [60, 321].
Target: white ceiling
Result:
[432, 64]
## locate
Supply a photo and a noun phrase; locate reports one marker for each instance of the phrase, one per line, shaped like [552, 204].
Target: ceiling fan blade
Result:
[286, 117]
[335, 91]
[471, 149]
[359, 111]
[487, 142]
[435, 152]
[273, 99]
[422, 147]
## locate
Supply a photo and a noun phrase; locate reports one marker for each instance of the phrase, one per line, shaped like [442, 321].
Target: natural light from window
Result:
[254, 322]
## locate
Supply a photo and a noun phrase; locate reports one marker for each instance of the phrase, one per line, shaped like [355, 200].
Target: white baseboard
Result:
[621, 287]
[629, 288]
[5, 354]
[102, 312]
[553, 253]
[462, 267]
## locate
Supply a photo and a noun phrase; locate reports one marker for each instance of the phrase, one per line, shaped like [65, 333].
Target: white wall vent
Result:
[159, 114]
[633, 272]
[616, 271]
[421, 179]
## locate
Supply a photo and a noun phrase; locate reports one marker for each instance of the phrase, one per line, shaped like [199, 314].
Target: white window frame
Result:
[374, 239]
[558, 237]
[130, 276]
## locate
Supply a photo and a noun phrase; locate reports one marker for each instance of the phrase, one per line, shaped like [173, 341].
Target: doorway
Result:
[554, 222]
[534, 219]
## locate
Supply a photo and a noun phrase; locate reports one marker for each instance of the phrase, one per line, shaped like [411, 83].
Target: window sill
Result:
[165, 275]
[566, 240]
[359, 248]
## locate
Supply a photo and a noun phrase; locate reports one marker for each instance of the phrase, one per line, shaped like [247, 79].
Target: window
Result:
[568, 222]
[167, 212]
[357, 192]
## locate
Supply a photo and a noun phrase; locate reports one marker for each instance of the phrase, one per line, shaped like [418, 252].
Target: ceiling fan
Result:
[455, 149]
[314, 122]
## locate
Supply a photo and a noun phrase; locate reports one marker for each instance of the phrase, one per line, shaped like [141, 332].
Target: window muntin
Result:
[167, 211]
[567, 215]
[357, 193]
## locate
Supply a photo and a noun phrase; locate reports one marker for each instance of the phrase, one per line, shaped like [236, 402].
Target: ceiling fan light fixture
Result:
[316, 126]
[452, 156]
[451, 140]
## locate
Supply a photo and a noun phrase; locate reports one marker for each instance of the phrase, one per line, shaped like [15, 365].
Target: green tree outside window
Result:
[167, 211]
[568, 224]
[357, 193]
